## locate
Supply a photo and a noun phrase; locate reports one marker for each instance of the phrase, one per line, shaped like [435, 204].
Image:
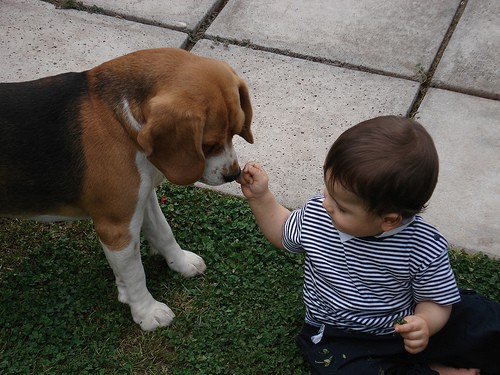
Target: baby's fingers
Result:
[245, 178]
[415, 346]
[402, 326]
[249, 168]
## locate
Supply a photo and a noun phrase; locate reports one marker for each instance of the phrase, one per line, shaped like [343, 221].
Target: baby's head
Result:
[389, 162]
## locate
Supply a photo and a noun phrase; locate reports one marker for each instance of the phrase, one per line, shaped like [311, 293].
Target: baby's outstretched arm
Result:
[269, 214]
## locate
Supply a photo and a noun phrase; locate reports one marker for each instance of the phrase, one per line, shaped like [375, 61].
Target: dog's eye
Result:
[211, 149]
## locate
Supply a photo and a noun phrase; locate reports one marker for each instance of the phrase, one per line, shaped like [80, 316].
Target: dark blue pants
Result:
[470, 339]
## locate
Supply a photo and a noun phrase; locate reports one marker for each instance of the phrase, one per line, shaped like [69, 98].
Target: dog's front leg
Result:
[131, 282]
[161, 239]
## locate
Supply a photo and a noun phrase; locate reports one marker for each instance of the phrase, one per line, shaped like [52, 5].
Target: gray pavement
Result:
[314, 69]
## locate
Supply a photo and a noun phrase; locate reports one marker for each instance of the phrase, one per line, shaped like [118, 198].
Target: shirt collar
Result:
[344, 237]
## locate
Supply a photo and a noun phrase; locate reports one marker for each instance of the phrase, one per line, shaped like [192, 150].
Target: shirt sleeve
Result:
[292, 231]
[435, 281]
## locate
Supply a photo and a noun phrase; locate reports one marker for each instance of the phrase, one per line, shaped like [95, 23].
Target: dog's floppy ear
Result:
[172, 139]
[246, 106]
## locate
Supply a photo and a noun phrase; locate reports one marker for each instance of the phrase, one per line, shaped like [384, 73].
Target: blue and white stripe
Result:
[364, 284]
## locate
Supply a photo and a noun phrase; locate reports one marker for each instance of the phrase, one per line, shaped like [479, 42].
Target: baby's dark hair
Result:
[390, 162]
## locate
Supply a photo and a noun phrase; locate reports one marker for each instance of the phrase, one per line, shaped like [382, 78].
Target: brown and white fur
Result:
[97, 143]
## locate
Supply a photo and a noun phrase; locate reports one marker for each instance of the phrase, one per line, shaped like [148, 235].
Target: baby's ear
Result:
[391, 221]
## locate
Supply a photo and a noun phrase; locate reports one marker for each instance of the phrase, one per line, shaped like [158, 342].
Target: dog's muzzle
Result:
[232, 177]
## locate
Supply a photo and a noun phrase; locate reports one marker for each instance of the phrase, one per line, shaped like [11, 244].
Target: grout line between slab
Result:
[426, 83]
[93, 9]
[246, 43]
[467, 91]
[200, 29]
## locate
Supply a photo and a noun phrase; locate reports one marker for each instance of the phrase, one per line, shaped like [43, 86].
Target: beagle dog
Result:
[97, 143]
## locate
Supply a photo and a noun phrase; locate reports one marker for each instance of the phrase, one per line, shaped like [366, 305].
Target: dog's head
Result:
[191, 119]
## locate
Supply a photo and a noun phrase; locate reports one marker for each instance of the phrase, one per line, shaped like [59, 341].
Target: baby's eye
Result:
[340, 209]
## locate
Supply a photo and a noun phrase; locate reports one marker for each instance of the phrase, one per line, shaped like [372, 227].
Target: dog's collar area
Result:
[129, 117]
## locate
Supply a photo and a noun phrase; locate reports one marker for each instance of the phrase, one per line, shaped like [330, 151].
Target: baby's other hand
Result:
[415, 333]
[253, 180]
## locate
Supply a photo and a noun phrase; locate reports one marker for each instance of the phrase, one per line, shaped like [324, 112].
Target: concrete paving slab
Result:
[39, 40]
[174, 13]
[300, 108]
[470, 61]
[392, 36]
[466, 204]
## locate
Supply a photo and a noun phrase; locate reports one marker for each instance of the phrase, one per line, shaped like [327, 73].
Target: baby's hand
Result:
[415, 333]
[253, 180]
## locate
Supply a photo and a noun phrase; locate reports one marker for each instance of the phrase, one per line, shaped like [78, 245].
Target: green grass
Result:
[59, 312]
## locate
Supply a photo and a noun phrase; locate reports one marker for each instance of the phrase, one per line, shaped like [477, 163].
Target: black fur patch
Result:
[41, 159]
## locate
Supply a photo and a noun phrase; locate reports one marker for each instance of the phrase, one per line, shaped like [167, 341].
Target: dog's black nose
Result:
[232, 177]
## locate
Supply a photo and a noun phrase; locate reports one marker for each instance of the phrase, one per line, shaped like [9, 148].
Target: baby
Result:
[379, 291]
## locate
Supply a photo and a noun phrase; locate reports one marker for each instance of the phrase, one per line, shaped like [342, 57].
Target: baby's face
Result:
[349, 213]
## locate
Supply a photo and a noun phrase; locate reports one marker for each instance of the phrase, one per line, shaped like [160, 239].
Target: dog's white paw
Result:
[156, 315]
[188, 264]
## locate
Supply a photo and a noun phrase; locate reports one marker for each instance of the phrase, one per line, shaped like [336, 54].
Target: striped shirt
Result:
[365, 284]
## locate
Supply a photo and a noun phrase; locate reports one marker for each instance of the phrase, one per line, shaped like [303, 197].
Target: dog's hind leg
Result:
[161, 239]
